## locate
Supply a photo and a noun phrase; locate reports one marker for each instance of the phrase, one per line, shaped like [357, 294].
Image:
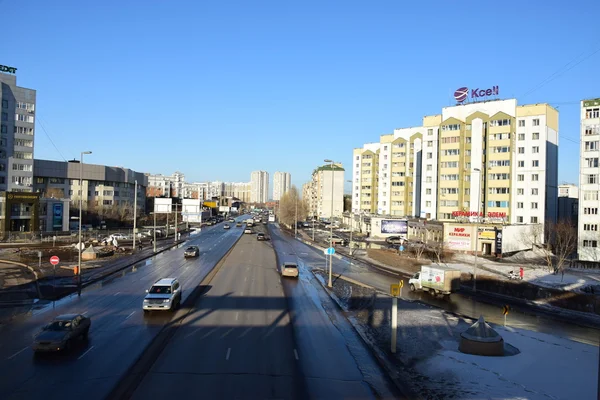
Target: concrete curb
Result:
[377, 353]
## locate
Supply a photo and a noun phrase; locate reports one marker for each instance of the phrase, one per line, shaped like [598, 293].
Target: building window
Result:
[430, 143]
[519, 205]
[534, 191]
[590, 243]
[521, 191]
[534, 206]
[590, 227]
[521, 164]
[592, 112]
[536, 122]
[427, 204]
[535, 149]
[430, 132]
[520, 177]
[4, 116]
[590, 195]
[520, 220]
[592, 178]
[3, 129]
[591, 162]
[534, 220]
[429, 156]
[385, 147]
[590, 211]
[521, 136]
[107, 202]
[535, 163]
[5, 104]
[535, 177]
[427, 191]
[503, 204]
[521, 122]
[591, 146]
[521, 150]
[535, 136]
[429, 167]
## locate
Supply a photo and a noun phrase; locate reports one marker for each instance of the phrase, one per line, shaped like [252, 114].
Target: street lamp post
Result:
[329, 283]
[79, 269]
[296, 219]
[134, 215]
[175, 238]
[477, 229]
[351, 223]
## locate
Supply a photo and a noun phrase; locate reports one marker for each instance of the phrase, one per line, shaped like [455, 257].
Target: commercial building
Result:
[17, 133]
[589, 183]
[165, 186]
[325, 191]
[568, 203]
[282, 182]
[259, 187]
[239, 190]
[105, 191]
[494, 159]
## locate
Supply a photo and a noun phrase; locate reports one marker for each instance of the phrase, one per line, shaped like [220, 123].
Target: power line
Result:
[565, 68]
[49, 138]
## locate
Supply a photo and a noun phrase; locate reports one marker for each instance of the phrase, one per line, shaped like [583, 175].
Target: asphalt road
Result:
[238, 342]
[119, 333]
[256, 335]
[458, 303]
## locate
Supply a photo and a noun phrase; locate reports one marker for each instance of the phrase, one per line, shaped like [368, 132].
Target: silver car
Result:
[289, 269]
[165, 294]
[59, 334]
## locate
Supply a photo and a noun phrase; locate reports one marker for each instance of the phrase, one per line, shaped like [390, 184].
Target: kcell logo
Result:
[462, 93]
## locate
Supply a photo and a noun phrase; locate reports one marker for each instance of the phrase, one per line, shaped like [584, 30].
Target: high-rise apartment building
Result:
[325, 192]
[259, 183]
[165, 186]
[492, 158]
[17, 132]
[568, 203]
[195, 190]
[282, 182]
[588, 248]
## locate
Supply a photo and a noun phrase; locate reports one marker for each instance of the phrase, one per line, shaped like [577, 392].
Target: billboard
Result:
[395, 226]
[163, 205]
[57, 216]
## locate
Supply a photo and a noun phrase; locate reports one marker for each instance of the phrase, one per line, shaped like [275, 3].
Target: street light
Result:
[329, 284]
[351, 221]
[79, 269]
[134, 215]
[477, 229]
[154, 230]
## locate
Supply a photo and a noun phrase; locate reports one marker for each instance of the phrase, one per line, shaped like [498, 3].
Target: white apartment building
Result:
[215, 189]
[259, 183]
[282, 182]
[492, 158]
[326, 191]
[195, 190]
[165, 186]
[240, 190]
[589, 183]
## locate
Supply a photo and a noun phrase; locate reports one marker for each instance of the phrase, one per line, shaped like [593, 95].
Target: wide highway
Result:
[119, 333]
[254, 334]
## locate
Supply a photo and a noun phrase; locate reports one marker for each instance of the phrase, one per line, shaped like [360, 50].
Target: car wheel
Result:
[412, 287]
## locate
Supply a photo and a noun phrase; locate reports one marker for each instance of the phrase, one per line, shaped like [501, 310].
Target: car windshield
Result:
[191, 249]
[291, 266]
[58, 326]
[160, 290]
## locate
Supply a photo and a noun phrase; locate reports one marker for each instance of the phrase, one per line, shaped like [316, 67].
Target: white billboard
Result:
[162, 205]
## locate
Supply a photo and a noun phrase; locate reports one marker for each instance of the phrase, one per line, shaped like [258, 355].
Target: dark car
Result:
[261, 236]
[191, 251]
[60, 333]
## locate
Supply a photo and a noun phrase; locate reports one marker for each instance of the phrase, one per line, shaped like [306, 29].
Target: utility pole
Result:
[296, 219]
[330, 284]
[134, 214]
[79, 283]
[175, 238]
[477, 229]
[154, 241]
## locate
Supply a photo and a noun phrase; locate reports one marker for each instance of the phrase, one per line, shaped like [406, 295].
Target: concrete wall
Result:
[521, 237]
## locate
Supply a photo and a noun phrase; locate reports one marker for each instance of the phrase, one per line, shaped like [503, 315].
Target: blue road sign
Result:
[401, 248]
[330, 251]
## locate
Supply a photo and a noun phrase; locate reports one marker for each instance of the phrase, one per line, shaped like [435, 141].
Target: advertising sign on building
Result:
[394, 226]
[498, 242]
[458, 244]
[487, 233]
[57, 216]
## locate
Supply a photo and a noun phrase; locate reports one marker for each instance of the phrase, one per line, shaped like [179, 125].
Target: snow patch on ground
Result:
[547, 368]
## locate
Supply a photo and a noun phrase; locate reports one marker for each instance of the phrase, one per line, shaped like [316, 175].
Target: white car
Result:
[289, 269]
[118, 236]
[247, 230]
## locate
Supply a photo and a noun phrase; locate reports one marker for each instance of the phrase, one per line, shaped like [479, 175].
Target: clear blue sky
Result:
[219, 89]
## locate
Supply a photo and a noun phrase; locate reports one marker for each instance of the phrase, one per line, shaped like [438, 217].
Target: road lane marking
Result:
[85, 312]
[83, 355]
[296, 354]
[116, 293]
[237, 315]
[133, 312]
[245, 279]
[228, 353]
[17, 353]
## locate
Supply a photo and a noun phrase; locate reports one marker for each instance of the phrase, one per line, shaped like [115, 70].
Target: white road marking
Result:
[17, 353]
[228, 353]
[88, 350]
[296, 354]
[85, 312]
[434, 317]
[116, 293]
[133, 312]
[237, 315]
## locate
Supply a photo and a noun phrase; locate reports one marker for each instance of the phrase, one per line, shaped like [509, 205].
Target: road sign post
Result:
[54, 260]
[394, 291]
[401, 284]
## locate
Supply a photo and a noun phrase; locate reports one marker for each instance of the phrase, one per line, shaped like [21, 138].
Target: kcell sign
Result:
[10, 70]
[462, 93]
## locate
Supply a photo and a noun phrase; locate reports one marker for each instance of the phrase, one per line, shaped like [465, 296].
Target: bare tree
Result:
[124, 211]
[561, 244]
[288, 204]
[417, 249]
[438, 249]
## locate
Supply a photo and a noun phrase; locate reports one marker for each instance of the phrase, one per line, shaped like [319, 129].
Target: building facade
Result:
[259, 181]
[494, 159]
[568, 203]
[216, 189]
[196, 190]
[103, 188]
[165, 186]
[239, 190]
[326, 191]
[17, 133]
[589, 183]
[282, 182]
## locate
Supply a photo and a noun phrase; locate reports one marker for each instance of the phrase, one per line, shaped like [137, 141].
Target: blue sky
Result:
[219, 89]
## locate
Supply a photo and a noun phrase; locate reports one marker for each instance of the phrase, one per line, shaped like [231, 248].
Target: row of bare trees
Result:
[292, 208]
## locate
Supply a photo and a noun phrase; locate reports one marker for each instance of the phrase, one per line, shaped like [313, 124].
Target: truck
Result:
[435, 279]
[271, 218]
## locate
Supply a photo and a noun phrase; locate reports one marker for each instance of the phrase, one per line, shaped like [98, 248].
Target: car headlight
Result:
[166, 300]
[146, 301]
